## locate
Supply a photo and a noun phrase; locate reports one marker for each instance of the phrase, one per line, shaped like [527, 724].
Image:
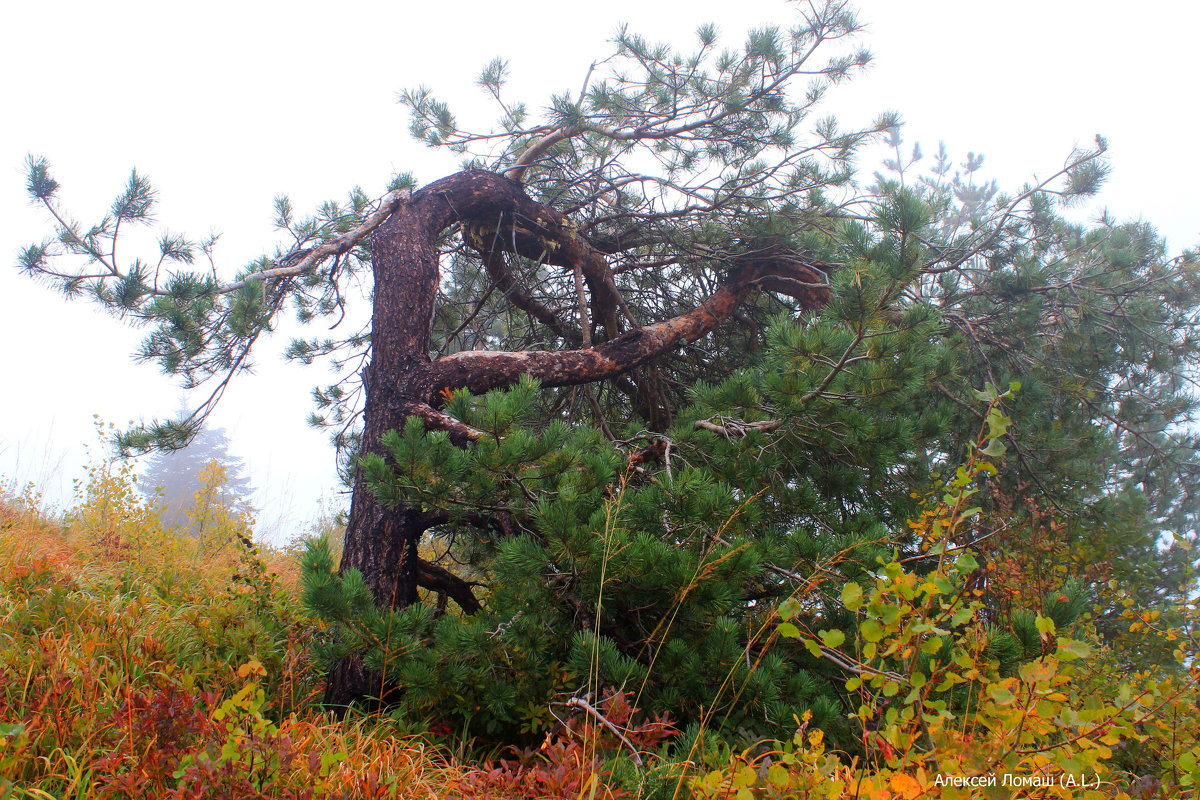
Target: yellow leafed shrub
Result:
[940, 717]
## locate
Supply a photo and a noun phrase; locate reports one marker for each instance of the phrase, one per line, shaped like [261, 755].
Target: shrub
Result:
[941, 712]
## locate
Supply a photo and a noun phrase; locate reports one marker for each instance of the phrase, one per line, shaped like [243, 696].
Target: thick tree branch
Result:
[438, 579]
[480, 371]
[460, 432]
[551, 238]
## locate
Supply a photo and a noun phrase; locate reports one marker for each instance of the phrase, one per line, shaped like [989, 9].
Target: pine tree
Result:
[652, 361]
[1099, 325]
[175, 476]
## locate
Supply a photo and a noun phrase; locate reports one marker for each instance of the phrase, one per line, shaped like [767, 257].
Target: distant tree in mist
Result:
[176, 476]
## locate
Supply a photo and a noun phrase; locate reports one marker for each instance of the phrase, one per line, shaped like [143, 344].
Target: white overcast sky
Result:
[226, 104]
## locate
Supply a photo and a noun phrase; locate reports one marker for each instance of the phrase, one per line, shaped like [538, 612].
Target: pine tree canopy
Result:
[658, 356]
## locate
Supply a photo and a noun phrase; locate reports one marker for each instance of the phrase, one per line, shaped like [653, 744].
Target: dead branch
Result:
[580, 703]
[731, 428]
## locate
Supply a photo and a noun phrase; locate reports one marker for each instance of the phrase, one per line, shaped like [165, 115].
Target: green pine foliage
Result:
[645, 581]
[645, 533]
[805, 466]
[1099, 326]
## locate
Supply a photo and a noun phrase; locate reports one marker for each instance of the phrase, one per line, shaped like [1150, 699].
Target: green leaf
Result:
[871, 631]
[1045, 625]
[1001, 695]
[788, 630]
[989, 393]
[789, 608]
[998, 423]
[1072, 649]
[966, 563]
[778, 776]
[852, 596]
[832, 638]
[995, 449]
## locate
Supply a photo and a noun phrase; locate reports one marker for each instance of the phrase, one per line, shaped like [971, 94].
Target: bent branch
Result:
[480, 371]
[335, 247]
[438, 579]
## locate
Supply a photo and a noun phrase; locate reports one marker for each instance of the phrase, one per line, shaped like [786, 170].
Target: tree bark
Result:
[381, 543]
[496, 216]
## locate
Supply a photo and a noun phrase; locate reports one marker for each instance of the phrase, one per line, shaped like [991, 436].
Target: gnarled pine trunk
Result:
[381, 542]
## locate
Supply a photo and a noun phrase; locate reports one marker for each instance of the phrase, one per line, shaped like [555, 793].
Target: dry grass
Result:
[135, 663]
[138, 662]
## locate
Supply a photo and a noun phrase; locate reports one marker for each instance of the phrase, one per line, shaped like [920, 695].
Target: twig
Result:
[732, 427]
[341, 244]
[580, 703]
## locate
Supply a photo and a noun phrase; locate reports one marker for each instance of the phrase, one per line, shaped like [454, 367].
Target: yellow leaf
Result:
[905, 786]
[251, 667]
[1037, 671]
[778, 777]
[746, 776]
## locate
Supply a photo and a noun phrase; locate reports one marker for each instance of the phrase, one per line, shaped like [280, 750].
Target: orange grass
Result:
[136, 662]
[127, 655]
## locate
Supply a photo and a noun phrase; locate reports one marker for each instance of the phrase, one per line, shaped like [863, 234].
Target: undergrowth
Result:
[142, 662]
